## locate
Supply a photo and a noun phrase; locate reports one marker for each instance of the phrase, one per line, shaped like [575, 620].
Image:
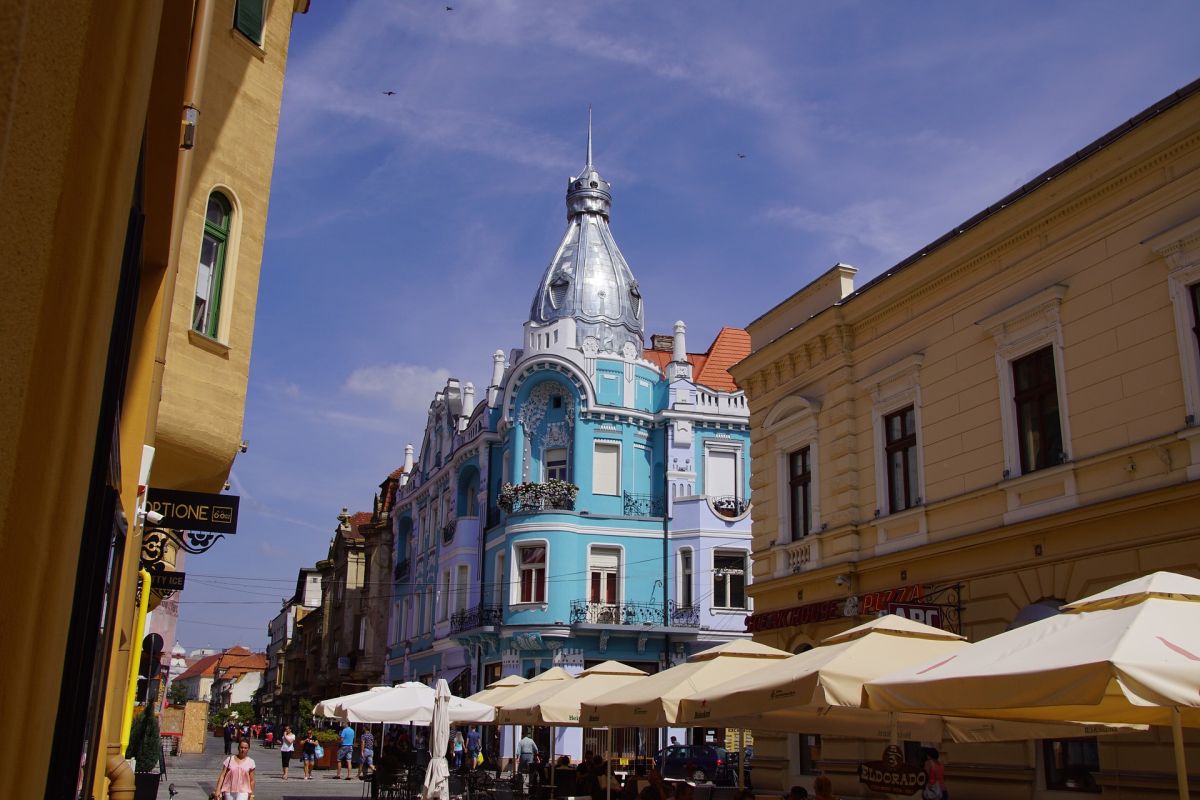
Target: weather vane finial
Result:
[589, 153]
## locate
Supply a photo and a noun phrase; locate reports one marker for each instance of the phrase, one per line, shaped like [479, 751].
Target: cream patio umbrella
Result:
[552, 676]
[497, 690]
[558, 702]
[328, 708]
[820, 691]
[1127, 655]
[437, 774]
[411, 703]
[653, 701]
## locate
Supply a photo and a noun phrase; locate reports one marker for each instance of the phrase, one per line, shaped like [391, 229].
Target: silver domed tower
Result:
[588, 279]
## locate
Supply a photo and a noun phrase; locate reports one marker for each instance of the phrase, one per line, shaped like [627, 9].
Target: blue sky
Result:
[408, 233]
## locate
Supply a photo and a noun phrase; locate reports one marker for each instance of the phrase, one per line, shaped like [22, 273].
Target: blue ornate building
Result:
[593, 504]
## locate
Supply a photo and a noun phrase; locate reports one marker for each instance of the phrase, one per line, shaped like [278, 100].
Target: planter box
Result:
[329, 760]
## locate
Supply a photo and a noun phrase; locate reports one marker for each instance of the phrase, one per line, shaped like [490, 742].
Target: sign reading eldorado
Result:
[891, 774]
[194, 511]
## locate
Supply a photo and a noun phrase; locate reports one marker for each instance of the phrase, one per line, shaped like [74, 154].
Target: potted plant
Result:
[145, 749]
[329, 740]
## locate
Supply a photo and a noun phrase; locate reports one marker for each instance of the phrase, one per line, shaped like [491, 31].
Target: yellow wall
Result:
[70, 131]
[1084, 263]
[88, 84]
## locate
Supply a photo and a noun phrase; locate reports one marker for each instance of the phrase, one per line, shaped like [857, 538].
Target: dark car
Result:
[696, 762]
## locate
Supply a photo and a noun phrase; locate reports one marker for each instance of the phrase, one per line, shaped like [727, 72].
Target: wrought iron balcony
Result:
[448, 531]
[590, 613]
[643, 505]
[729, 506]
[528, 504]
[478, 617]
[401, 569]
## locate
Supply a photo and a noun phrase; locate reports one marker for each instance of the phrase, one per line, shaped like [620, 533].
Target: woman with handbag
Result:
[236, 781]
[309, 754]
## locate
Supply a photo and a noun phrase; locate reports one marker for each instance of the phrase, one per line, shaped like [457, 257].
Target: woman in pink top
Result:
[237, 775]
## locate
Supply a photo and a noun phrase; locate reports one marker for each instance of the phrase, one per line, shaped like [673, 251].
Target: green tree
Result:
[144, 744]
[305, 708]
[177, 694]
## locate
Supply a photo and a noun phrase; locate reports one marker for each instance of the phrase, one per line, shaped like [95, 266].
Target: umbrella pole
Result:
[550, 763]
[1180, 757]
[741, 758]
[608, 767]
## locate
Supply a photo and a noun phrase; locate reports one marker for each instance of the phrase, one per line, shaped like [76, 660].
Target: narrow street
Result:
[194, 777]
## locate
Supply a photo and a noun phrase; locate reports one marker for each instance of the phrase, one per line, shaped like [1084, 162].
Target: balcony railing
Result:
[477, 617]
[643, 505]
[590, 613]
[527, 504]
[401, 569]
[729, 506]
[448, 531]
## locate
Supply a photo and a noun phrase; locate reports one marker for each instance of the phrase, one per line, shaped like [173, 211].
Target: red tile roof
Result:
[712, 368]
[236, 661]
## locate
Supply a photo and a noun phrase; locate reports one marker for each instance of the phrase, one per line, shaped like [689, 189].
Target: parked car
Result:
[696, 762]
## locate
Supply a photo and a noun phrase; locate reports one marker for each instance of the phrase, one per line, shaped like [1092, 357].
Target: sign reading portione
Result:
[194, 511]
[167, 581]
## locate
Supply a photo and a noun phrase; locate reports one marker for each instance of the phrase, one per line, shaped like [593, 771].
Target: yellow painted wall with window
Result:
[1046, 355]
[199, 424]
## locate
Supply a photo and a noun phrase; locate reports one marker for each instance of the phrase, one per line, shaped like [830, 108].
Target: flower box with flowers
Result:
[525, 497]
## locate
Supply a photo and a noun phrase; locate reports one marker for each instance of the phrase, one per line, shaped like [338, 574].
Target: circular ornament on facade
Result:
[591, 346]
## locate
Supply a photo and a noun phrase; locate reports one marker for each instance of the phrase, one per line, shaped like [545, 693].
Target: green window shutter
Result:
[249, 18]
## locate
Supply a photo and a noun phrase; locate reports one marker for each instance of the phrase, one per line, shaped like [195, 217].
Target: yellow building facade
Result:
[129, 315]
[1007, 420]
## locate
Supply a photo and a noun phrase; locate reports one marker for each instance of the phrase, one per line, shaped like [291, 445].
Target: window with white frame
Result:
[1180, 247]
[800, 493]
[721, 472]
[1039, 427]
[685, 577]
[462, 587]
[900, 455]
[606, 468]
[729, 579]
[445, 597]
[896, 419]
[531, 573]
[555, 467]
[1033, 392]
[604, 571]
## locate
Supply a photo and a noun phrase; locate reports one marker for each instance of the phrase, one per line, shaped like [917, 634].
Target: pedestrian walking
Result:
[236, 781]
[287, 746]
[460, 750]
[935, 777]
[228, 733]
[527, 753]
[345, 753]
[366, 761]
[309, 754]
[474, 746]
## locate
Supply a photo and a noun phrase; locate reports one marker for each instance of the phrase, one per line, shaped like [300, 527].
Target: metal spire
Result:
[589, 153]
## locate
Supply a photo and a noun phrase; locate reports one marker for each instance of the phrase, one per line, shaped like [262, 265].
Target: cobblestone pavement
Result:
[195, 775]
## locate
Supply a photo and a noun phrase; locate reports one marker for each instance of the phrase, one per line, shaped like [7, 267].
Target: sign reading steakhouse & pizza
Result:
[868, 603]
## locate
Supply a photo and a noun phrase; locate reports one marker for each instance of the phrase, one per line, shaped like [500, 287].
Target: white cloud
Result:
[406, 387]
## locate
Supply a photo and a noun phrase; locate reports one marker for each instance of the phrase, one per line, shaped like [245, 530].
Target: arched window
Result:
[210, 274]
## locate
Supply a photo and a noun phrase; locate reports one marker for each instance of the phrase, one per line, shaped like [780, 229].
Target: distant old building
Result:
[221, 679]
[1005, 421]
[281, 630]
